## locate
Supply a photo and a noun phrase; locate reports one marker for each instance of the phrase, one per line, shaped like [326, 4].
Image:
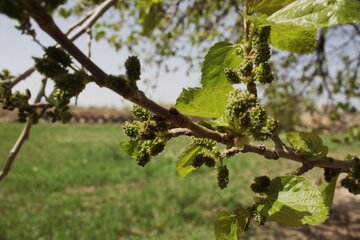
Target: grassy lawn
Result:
[73, 182]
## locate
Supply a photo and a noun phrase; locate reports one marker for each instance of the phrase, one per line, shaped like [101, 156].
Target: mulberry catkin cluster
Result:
[262, 69]
[203, 157]
[352, 180]
[149, 131]
[244, 111]
[204, 142]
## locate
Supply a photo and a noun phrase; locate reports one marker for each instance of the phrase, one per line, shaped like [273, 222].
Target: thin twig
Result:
[23, 136]
[176, 132]
[15, 149]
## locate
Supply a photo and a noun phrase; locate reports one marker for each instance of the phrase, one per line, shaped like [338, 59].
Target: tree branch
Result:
[23, 136]
[176, 132]
[48, 25]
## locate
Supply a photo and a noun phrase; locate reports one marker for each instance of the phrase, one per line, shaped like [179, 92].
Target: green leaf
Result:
[184, 165]
[130, 147]
[100, 35]
[293, 28]
[289, 37]
[150, 16]
[319, 13]
[231, 226]
[226, 227]
[210, 100]
[308, 145]
[293, 38]
[270, 6]
[293, 201]
[327, 190]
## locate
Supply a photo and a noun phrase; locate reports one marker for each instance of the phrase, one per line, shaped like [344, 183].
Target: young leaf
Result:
[226, 226]
[293, 201]
[210, 100]
[130, 147]
[327, 190]
[184, 165]
[231, 226]
[309, 145]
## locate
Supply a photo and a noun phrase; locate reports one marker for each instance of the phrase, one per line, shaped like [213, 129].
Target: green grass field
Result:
[74, 182]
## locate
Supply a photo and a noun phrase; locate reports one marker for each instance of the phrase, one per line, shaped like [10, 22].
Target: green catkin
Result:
[148, 130]
[198, 161]
[261, 184]
[257, 116]
[262, 35]
[232, 75]
[141, 113]
[329, 173]
[204, 142]
[222, 176]
[239, 101]
[209, 161]
[258, 218]
[133, 68]
[263, 73]
[262, 53]
[143, 157]
[266, 131]
[246, 68]
[351, 184]
[58, 55]
[49, 67]
[131, 129]
[157, 146]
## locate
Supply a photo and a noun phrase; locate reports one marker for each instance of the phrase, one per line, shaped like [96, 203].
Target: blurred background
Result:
[74, 182]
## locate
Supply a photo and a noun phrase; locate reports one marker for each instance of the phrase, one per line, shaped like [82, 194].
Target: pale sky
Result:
[16, 51]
